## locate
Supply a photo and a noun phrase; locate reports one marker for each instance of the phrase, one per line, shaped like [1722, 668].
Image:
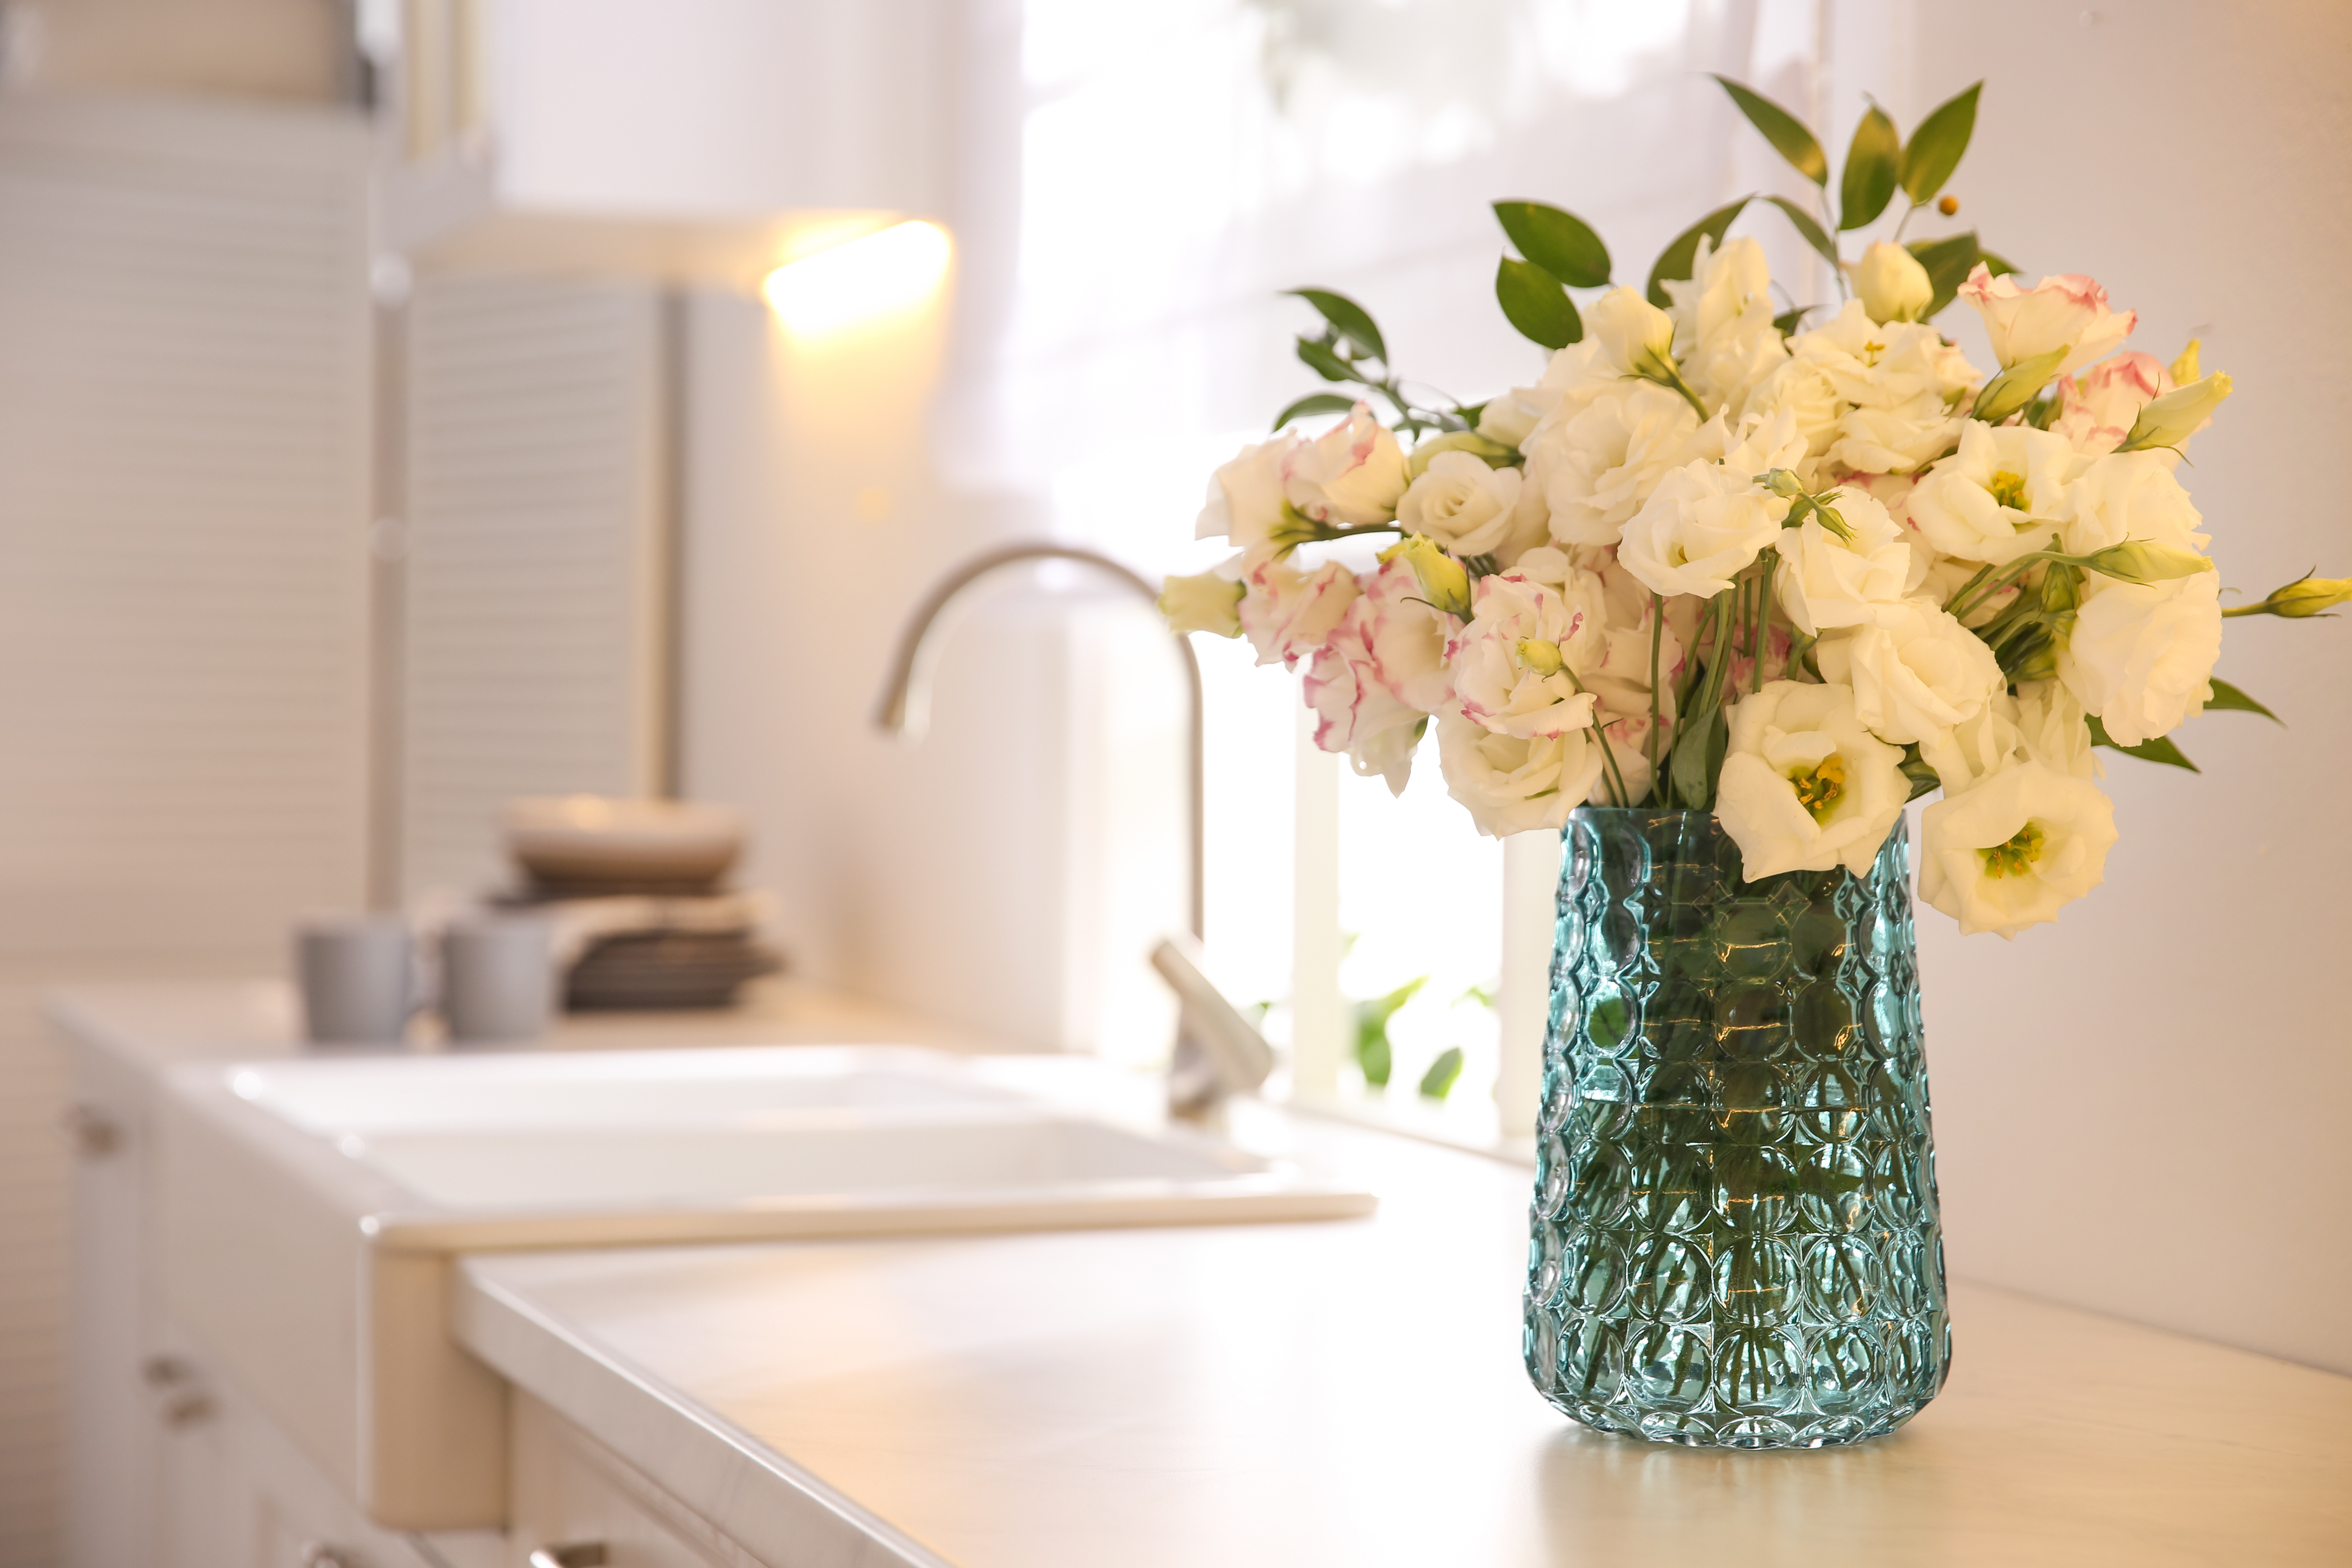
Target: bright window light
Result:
[874, 274]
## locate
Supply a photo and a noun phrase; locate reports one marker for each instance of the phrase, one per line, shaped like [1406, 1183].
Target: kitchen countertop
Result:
[1350, 1393]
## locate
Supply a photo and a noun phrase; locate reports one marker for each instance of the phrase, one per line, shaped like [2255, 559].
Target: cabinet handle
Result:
[579, 1554]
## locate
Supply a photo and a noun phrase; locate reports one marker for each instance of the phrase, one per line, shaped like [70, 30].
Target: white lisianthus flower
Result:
[1724, 335]
[1825, 582]
[1871, 397]
[1597, 466]
[2050, 729]
[1513, 785]
[2096, 408]
[1573, 378]
[2140, 656]
[1700, 528]
[1288, 614]
[1462, 503]
[2065, 310]
[1634, 337]
[1515, 662]
[1245, 503]
[2000, 496]
[2015, 850]
[1916, 672]
[1407, 637]
[2129, 495]
[1892, 285]
[1973, 751]
[1805, 787]
[1352, 474]
[1205, 602]
[1355, 711]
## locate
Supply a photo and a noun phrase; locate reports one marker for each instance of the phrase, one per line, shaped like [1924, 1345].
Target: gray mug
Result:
[497, 979]
[358, 978]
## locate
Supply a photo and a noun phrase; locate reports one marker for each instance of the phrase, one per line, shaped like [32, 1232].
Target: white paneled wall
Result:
[538, 564]
[183, 481]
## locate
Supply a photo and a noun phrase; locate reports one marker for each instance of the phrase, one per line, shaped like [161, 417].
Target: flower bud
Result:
[1203, 603]
[2184, 369]
[1492, 453]
[1635, 336]
[1895, 287]
[1444, 585]
[2305, 596]
[2143, 561]
[2171, 419]
[1543, 657]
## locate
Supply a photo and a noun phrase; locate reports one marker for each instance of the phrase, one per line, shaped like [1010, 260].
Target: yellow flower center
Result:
[2017, 856]
[1822, 786]
[2009, 490]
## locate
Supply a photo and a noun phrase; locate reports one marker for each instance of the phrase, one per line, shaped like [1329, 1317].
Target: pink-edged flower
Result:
[2065, 311]
[1355, 711]
[1244, 501]
[1288, 614]
[2095, 409]
[1405, 637]
[1353, 475]
[1515, 663]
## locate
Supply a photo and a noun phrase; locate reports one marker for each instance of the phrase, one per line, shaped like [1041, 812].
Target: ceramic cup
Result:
[358, 978]
[497, 979]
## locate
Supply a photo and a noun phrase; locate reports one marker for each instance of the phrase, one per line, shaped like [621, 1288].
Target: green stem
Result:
[1658, 632]
[1763, 617]
[2002, 579]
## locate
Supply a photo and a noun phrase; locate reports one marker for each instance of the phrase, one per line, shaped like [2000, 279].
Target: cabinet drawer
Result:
[570, 1491]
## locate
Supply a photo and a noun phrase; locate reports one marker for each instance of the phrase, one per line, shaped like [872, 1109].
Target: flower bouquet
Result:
[1727, 586]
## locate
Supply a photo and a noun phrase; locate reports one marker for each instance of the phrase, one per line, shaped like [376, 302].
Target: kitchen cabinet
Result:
[569, 1490]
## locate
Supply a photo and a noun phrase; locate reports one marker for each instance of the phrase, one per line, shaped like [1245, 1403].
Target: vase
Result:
[1735, 1235]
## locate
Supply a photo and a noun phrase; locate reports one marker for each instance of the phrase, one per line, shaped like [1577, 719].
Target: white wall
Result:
[2141, 1109]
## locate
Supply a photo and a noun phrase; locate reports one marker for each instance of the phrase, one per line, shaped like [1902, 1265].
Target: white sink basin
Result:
[310, 1208]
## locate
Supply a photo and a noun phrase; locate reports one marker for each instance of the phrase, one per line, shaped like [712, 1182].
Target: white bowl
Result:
[598, 838]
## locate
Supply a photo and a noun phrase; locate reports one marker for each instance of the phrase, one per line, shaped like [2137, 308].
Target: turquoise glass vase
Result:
[1735, 1236]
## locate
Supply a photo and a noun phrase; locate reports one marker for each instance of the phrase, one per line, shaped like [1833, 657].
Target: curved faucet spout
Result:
[907, 670]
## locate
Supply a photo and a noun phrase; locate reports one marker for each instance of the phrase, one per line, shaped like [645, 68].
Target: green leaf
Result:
[1468, 413]
[1698, 759]
[1313, 403]
[1868, 182]
[1318, 358]
[1534, 302]
[2228, 699]
[1935, 148]
[2159, 750]
[1783, 130]
[1922, 776]
[1676, 260]
[1355, 323]
[1786, 322]
[1438, 1081]
[1995, 264]
[1562, 243]
[1948, 261]
[1806, 226]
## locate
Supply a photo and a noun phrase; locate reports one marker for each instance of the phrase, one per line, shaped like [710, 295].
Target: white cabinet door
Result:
[570, 1491]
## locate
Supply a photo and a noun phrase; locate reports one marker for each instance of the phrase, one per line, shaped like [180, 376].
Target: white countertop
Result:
[1350, 1393]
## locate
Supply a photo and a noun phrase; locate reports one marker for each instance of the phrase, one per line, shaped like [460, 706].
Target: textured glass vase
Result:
[1734, 1237]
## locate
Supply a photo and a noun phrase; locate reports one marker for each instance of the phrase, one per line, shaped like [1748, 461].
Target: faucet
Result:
[1218, 1052]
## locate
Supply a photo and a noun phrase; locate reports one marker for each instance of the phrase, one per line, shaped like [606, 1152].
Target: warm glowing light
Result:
[872, 276]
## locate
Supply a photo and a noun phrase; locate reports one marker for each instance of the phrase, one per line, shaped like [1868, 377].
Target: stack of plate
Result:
[646, 879]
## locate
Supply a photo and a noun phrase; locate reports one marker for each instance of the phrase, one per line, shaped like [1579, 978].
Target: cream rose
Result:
[2000, 496]
[1288, 614]
[1513, 785]
[1825, 582]
[1805, 787]
[1461, 502]
[2140, 656]
[2015, 850]
[1352, 474]
[1916, 672]
[1700, 528]
[2065, 310]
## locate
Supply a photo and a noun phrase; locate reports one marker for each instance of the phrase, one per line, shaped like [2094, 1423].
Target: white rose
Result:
[1245, 503]
[1288, 614]
[1825, 582]
[2066, 311]
[1915, 670]
[1892, 285]
[1515, 662]
[2014, 850]
[2140, 656]
[2133, 495]
[1998, 497]
[1354, 710]
[1513, 785]
[1633, 337]
[1724, 335]
[1597, 467]
[1804, 787]
[2050, 729]
[1352, 474]
[1461, 502]
[1700, 528]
